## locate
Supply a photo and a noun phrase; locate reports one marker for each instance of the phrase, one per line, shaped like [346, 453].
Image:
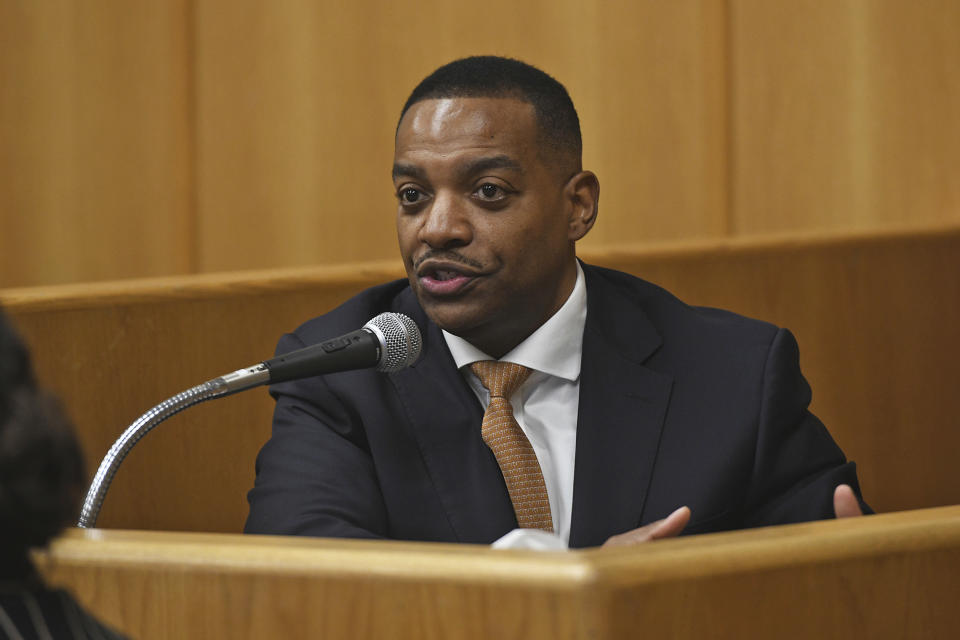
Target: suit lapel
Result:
[446, 417]
[622, 408]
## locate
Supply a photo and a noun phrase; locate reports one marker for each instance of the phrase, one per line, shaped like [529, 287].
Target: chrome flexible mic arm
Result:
[390, 342]
[216, 388]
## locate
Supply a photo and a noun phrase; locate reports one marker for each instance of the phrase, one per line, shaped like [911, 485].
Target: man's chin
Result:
[454, 317]
[453, 323]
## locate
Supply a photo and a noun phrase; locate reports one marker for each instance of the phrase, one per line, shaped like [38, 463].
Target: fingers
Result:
[669, 527]
[672, 525]
[845, 504]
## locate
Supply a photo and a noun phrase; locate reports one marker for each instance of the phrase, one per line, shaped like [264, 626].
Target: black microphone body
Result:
[389, 342]
[358, 349]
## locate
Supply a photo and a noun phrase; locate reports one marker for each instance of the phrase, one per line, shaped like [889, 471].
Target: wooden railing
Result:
[884, 576]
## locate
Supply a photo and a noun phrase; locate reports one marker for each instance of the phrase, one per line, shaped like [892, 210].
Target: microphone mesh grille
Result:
[401, 338]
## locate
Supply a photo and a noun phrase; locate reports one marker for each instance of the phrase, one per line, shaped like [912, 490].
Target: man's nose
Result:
[446, 223]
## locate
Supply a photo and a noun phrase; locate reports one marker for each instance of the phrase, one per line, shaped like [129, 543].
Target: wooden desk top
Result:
[891, 575]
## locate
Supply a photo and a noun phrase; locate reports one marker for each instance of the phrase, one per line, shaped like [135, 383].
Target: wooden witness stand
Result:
[877, 319]
[885, 576]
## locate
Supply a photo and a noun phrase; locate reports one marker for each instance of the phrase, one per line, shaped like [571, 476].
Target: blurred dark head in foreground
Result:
[41, 467]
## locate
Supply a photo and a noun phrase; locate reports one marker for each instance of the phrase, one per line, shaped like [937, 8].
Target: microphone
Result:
[389, 342]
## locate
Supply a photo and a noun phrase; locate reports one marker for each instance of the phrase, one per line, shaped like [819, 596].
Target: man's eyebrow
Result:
[493, 162]
[408, 171]
[470, 168]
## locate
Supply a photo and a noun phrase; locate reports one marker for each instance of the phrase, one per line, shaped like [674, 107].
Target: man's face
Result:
[482, 219]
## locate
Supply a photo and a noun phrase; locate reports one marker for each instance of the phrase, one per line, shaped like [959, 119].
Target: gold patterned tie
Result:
[515, 455]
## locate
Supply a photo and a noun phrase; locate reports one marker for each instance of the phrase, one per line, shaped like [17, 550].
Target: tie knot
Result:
[501, 379]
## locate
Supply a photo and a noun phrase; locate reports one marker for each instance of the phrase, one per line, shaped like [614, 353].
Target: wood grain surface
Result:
[113, 350]
[96, 141]
[886, 576]
[844, 114]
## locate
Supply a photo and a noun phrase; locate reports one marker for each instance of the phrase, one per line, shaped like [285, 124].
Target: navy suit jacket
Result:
[679, 405]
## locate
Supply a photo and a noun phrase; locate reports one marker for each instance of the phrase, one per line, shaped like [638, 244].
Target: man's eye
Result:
[411, 195]
[490, 192]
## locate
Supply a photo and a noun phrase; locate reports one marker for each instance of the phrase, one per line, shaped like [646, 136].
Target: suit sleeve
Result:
[315, 475]
[797, 465]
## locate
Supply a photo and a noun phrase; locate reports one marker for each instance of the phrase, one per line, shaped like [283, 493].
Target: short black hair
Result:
[498, 77]
[41, 464]
[15, 367]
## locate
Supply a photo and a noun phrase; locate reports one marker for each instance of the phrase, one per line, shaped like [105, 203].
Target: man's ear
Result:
[583, 194]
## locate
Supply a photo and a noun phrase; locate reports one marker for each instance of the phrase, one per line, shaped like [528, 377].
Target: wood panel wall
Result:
[844, 114]
[96, 146]
[141, 139]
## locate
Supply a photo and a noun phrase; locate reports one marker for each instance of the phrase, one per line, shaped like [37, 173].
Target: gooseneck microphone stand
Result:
[216, 388]
[389, 342]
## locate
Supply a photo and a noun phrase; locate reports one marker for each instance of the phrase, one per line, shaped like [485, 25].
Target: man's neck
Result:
[564, 326]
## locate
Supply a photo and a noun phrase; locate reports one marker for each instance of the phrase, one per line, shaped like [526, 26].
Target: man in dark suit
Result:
[632, 402]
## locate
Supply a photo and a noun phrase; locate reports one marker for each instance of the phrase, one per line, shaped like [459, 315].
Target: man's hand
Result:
[669, 527]
[845, 503]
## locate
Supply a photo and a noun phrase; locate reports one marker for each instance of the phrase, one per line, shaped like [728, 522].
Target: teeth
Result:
[446, 275]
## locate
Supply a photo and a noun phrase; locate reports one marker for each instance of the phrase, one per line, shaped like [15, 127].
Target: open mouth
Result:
[442, 275]
[443, 280]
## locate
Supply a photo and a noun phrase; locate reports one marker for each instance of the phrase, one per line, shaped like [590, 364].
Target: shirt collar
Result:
[554, 348]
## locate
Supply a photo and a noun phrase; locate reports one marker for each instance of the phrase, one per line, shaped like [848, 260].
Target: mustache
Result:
[447, 255]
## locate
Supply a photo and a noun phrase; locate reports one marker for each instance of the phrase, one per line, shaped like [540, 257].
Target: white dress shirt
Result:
[547, 404]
